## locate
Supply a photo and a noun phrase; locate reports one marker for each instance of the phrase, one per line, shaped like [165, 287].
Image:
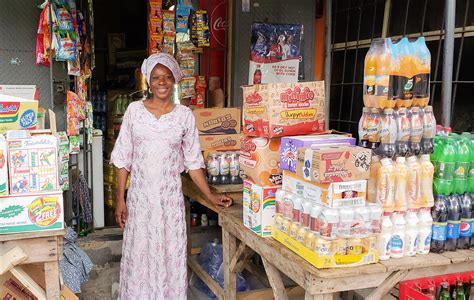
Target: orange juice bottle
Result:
[413, 182]
[372, 182]
[370, 67]
[421, 90]
[386, 185]
[404, 71]
[383, 60]
[401, 184]
[426, 189]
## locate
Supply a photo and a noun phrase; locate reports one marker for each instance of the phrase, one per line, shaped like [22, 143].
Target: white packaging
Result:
[247, 189]
[397, 242]
[346, 221]
[261, 210]
[384, 238]
[3, 167]
[411, 233]
[328, 222]
[376, 212]
[424, 232]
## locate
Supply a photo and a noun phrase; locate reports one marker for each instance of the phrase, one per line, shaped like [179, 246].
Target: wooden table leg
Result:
[329, 296]
[229, 244]
[279, 291]
[51, 270]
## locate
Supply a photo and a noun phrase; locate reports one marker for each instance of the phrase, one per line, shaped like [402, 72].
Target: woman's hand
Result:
[121, 212]
[220, 200]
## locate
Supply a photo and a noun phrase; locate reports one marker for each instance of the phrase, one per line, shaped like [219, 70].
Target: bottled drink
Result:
[234, 168]
[287, 212]
[429, 130]
[426, 188]
[467, 215]
[421, 89]
[363, 134]
[382, 79]
[388, 134]
[328, 222]
[373, 128]
[383, 242]
[416, 130]
[386, 185]
[424, 231]
[372, 182]
[224, 169]
[397, 243]
[411, 232]
[460, 294]
[454, 222]
[403, 132]
[472, 221]
[446, 159]
[297, 209]
[444, 295]
[401, 202]
[314, 218]
[462, 166]
[405, 70]
[279, 195]
[376, 213]
[361, 222]
[439, 212]
[346, 221]
[370, 68]
[413, 182]
[213, 168]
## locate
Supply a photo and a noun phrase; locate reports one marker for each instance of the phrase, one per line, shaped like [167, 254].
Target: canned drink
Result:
[339, 246]
[224, 169]
[294, 227]
[310, 239]
[285, 226]
[301, 234]
[323, 247]
[354, 246]
[369, 243]
[328, 222]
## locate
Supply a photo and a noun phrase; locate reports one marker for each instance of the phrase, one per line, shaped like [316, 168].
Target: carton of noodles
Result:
[17, 113]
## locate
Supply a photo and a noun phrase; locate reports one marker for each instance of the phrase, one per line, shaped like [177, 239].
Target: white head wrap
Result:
[165, 60]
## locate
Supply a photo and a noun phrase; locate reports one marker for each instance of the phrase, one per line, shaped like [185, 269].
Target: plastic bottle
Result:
[467, 216]
[376, 213]
[462, 166]
[429, 130]
[411, 233]
[370, 68]
[471, 246]
[287, 212]
[424, 231]
[279, 196]
[372, 182]
[401, 202]
[328, 223]
[421, 90]
[404, 72]
[382, 79]
[346, 221]
[413, 183]
[403, 132]
[439, 213]
[314, 218]
[416, 130]
[388, 134]
[426, 187]
[454, 222]
[363, 134]
[373, 128]
[397, 243]
[384, 238]
[444, 168]
[386, 185]
[362, 222]
[297, 209]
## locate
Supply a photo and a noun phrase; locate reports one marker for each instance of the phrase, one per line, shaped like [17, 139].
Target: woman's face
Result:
[161, 82]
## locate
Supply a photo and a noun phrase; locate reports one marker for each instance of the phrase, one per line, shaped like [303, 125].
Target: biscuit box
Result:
[218, 120]
[224, 142]
[17, 113]
[259, 208]
[260, 161]
[20, 214]
[283, 109]
[290, 145]
[333, 163]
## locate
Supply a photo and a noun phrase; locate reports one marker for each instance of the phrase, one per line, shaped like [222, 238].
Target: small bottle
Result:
[376, 213]
[411, 233]
[424, 232]
[397, 243]
[413, 183]
[383, 241]
[204, 220]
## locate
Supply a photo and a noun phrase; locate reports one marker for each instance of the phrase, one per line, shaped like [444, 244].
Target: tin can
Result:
[369, 243]
[301, 234]
[354, 246]
[285, 226]
[339, 246]
[323, 247]
[310, 239]
[294, 227]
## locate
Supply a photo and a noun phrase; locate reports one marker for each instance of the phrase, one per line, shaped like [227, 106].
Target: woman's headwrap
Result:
[165, 60]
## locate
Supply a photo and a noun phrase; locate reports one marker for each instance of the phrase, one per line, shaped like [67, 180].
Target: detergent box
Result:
[259, 208]
[20, 214]
[17, 113]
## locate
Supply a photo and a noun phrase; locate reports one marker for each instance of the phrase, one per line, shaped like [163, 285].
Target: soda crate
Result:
[411, 289]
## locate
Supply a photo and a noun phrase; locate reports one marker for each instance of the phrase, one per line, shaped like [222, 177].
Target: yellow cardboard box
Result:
[17, 113]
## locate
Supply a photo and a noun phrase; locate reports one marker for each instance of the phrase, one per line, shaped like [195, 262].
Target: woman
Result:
[157, 141]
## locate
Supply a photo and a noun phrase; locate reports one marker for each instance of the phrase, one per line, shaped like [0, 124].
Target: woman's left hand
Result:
[221, 200]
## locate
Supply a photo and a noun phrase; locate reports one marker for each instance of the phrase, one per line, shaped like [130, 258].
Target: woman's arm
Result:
[121, 207]
[200, 180]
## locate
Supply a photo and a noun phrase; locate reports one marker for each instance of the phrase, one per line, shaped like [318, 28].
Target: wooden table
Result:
[30, 256]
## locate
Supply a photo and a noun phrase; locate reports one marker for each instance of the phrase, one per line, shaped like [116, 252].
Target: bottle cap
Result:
[375, 110]
[402, 110]
[428, 108]
[415, 109]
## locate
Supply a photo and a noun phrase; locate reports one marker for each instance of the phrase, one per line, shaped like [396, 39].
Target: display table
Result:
[21, 254]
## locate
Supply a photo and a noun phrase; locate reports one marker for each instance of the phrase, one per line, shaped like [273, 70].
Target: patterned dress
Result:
[155, 151]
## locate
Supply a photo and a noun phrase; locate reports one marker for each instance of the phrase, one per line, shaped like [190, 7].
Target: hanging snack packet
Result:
[185, 50]
[155, 10]
[186, 87]
[199, 100]
[155, 43]
[74, 67]
[41, 58]
[185, 4]
[74, 144]
[66, 46]
[168, 43]
[187, 66]
[168, 21]
[64, 18]
[182, 19]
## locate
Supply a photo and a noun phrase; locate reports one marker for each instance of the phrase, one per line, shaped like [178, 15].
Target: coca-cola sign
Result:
[218, 24]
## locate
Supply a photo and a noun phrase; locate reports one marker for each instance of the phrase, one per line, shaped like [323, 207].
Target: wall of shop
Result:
[269, 11]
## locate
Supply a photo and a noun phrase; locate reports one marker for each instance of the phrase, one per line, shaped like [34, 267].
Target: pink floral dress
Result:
[155, 151]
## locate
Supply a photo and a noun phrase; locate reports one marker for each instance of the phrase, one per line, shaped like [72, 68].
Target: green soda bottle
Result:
[463, 162]
[446, 164]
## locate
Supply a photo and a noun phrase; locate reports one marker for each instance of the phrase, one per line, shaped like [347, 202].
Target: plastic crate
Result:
[409, 289]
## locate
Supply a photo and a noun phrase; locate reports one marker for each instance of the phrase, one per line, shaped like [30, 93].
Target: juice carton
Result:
[333, 163]
[3, 167]
[261, 210]
[335, 195]
[260, 161]
[17, 113]
[224, 142]
[218, 120]
[283, 109]
[290, 145]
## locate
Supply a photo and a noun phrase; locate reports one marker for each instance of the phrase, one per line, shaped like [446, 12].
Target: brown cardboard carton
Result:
[260, 161]
[223, 142]
[283, 109]
[218, 120]
[333, 163]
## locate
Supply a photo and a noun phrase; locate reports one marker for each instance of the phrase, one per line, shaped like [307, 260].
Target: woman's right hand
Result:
[121, 212]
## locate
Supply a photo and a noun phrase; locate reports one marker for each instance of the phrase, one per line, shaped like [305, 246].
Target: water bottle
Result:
[467, 216]
[424, 231]
[411, 233]
[383, 242]
[454, 222]
[439, 213]
[398, 240]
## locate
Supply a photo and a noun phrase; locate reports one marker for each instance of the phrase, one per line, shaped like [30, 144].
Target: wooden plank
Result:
[227, 188]
[330, 296]
[258, 272]
[440, 270]
[230, 278]
[459, 256]
[31, 235]
[347, 283]
[42, 249]
[236, 258]
[296, 291]
[276, 283]
[11, 259]
[420, 261]
[387, 285]
[29, 283]
[51, 270]
[206, 278]
[248, 253]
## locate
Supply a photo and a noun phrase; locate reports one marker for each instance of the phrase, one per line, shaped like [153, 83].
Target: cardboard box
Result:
[247, 190]
[333, 163]
[17, 113]
[260, 161]
[225, 142]
[20, 214]
[339, 194]
[3, 167]
[32, 163]
[283, 109]
[260, 208]
[290, 145]
[218, 120]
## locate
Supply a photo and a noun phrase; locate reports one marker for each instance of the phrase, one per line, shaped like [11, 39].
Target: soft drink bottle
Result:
[363, 134]
[439, 213]
[373, 128]
[405, 71]
[472, 221]
[426, 188]
[467, 216]
[383, 60]
[429, 130]
[462, 166]
[416, 130]
[424, 232]
[397, 243]
[403, 132]
[411, 232]
[386, 185]
[454, 222]
[370, 68]
[388, 133]
[413, 182]
[421, 90]
[372, 182]
[444, 170]
[383, 241]
[401, 202]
